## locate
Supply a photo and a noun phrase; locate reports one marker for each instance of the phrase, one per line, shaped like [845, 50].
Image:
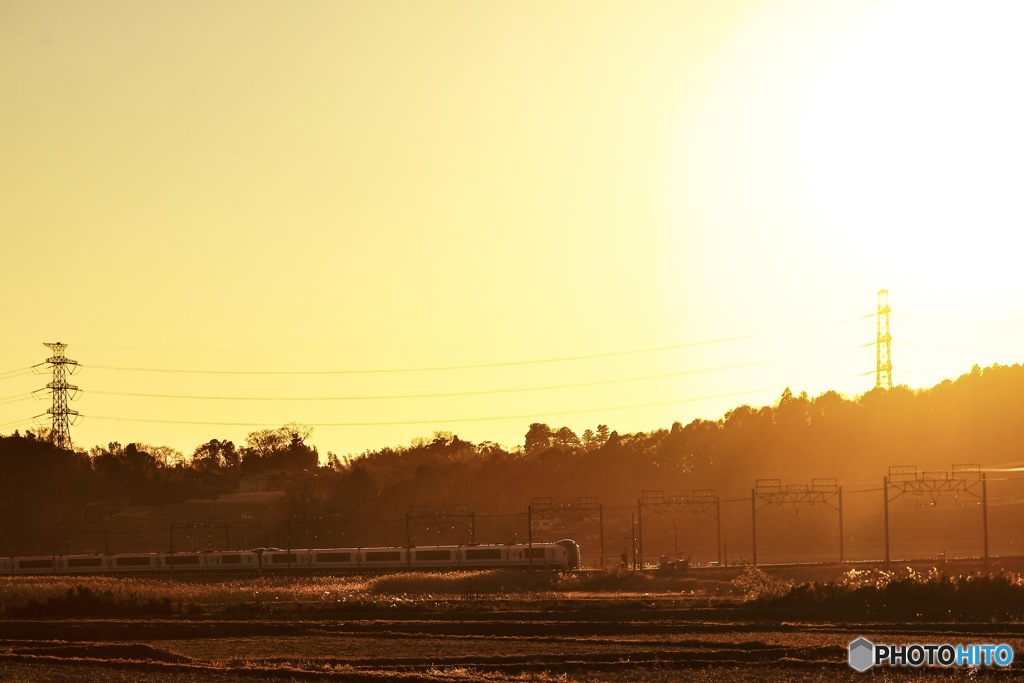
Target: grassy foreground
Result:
[864, 593]
[485, 626]
[106, 596]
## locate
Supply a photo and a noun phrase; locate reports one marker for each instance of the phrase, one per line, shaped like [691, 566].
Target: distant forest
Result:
[976, 418]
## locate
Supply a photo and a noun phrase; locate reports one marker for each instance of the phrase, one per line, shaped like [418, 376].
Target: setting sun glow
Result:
[383, 220]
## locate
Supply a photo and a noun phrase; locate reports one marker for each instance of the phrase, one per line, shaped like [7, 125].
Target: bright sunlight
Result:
[896, 186]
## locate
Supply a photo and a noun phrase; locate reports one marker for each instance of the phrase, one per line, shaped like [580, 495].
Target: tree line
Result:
[975, 418]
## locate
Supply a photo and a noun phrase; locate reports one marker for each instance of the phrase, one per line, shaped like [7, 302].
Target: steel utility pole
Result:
[771, 492]
[704, 501]
[962, 478]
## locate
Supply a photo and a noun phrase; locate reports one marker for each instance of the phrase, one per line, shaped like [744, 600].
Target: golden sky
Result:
[457, 187]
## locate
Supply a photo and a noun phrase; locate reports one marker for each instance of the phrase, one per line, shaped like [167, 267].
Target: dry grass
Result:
[421, 590]
[107, 596]
[188, 594]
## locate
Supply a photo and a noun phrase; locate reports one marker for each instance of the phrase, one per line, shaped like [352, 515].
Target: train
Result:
[561, 555]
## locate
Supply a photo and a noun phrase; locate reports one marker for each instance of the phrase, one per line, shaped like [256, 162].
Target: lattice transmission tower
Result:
[62, 393]
[883, 343]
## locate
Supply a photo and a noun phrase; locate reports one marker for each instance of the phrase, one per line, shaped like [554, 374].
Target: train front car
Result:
[572, 553]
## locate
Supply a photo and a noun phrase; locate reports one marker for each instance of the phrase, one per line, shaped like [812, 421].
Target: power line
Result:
[15, 373]
[439, 420]
[234, 350]
[437, 368]
[19, 422]
[481, 392]
[513, 363]
[449, 420]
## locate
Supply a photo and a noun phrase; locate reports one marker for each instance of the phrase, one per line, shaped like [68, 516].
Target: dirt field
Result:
[473, 647]
[402, 628]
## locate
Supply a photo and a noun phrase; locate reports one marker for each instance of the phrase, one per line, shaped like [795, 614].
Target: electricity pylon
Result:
[883, 343]
[62, 393]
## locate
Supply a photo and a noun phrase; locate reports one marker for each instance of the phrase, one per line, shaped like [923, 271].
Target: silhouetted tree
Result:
[566, 440]
[214, 455]
[281, 448]
[538, 439]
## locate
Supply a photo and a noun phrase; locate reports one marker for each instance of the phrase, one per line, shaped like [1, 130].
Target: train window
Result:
[281, 559]
[85, 562]
[483, 553]
[434, 555]
[182, 559]
[35, 564]
[384, 556]
[535, 553]
[133, 561]
[334, 557]
[231, 559]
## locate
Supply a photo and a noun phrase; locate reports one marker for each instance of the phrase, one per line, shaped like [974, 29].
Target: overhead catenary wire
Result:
[746, 499]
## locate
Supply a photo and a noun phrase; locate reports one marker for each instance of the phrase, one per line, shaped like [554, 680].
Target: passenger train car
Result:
[561, 555]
